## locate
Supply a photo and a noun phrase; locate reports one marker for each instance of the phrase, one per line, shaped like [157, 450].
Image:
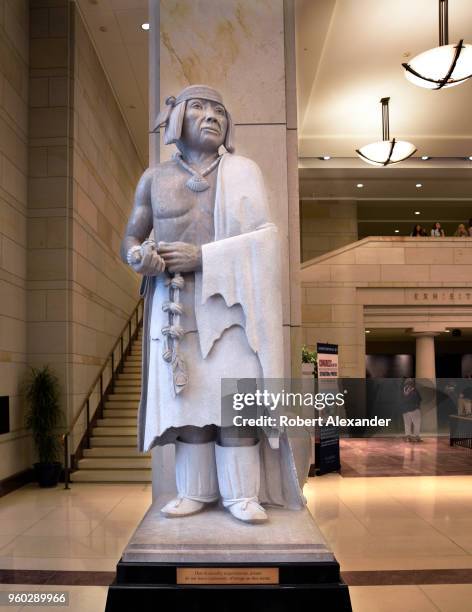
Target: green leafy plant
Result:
[308, 356]
[44, 415]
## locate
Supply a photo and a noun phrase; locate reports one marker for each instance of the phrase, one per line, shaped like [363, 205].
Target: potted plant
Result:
[43, 417]
[309, 364]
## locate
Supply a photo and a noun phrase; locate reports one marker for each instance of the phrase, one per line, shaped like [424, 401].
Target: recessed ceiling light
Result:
[145, 26]
[425, 157]
[417, 212]
[360, 185]
[397, 231]
[326, 157]
[448, 331]
[367, 331]
[419, 185]
[470, 158]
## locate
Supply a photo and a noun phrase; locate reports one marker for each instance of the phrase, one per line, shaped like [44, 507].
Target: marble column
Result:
[425, 373]
[246, 50]
[425, 355]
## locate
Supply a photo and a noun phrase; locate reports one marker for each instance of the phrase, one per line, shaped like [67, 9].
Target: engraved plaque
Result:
[227, 575]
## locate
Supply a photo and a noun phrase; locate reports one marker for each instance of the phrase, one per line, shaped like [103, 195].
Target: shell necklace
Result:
[197, 182]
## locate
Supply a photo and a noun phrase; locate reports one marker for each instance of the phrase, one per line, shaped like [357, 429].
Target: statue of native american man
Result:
[213, 311]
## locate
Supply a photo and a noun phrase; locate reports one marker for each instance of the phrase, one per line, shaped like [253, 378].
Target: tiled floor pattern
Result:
[85, 528]
[372, 524]
[395, 457]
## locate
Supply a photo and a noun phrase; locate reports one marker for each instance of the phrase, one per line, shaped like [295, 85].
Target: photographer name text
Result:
[283, 420]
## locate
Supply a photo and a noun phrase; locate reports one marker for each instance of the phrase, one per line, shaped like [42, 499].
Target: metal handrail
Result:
[124, 351]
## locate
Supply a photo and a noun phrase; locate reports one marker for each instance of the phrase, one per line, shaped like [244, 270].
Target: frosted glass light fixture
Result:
[443, 66]
[386, 152]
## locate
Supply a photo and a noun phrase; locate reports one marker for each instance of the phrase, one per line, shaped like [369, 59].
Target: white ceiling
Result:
[122, 46]
[349, 55]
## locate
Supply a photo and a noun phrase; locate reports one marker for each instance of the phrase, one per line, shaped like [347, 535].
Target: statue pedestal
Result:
[212, 561]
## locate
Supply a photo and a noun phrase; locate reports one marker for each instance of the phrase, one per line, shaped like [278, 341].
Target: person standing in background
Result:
[437, 230]
[411, 411]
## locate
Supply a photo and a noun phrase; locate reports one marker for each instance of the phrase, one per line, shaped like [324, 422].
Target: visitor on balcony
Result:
[418, 230]
[461, 231]
[437, 230]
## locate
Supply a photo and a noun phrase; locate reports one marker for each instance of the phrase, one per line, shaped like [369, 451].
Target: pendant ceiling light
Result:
[386, 152]
[443, 66]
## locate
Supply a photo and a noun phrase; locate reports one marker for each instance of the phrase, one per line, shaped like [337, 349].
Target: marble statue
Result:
[212, 289]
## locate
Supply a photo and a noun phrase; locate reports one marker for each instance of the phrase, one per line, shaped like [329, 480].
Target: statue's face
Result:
[205, 124]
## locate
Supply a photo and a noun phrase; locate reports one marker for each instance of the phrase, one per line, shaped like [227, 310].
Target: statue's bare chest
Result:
[180, 214]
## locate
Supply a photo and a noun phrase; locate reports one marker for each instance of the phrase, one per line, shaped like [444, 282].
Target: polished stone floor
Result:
[395, 457]
[390, 535]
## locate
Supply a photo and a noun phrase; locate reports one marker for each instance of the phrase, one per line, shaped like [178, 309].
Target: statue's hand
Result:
[180, 256]
[147, 260]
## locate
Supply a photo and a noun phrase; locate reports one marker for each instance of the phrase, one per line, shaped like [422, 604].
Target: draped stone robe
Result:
[232, 319]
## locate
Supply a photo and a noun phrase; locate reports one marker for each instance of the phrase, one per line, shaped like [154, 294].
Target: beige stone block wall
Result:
[326, 226]
[331, 314]
[106, 169]
[68, 169]
[15, 446]
[83, 169]
[48, 190]
[381, 282]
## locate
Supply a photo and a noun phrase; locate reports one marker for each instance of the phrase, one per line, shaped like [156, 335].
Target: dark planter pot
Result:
[47, 474]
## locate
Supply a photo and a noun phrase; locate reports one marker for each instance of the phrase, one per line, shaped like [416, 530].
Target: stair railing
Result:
[104, 387]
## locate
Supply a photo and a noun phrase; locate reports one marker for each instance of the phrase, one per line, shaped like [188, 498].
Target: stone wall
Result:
[385, 282]
[15, 447]
[106, 169]
[326, 226]
[68, 169]
[48, 189]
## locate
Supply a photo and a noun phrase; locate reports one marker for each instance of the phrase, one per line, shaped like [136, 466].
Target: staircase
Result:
[113, 454]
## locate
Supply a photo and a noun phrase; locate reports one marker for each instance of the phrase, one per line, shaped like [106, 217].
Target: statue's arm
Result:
[143, 258]
[140, 221]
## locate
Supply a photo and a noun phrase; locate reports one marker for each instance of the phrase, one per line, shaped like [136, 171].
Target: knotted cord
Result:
[173, 332]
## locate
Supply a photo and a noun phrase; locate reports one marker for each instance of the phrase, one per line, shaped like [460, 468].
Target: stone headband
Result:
[189, 93]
